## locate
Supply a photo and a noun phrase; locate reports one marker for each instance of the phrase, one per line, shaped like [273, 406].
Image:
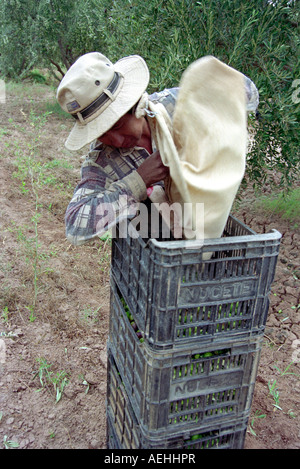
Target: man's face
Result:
[126, 133]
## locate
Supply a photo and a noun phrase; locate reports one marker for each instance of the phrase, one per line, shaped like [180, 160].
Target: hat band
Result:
[101, 100]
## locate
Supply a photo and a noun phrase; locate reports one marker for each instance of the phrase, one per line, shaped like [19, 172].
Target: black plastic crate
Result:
[177, 296]
[175, 389]
[122, 425]
[125, 432]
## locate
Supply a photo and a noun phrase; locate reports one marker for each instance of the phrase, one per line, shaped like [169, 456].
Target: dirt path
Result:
[54, 303]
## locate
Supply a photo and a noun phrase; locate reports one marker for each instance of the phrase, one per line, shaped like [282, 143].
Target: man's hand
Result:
[152, 169]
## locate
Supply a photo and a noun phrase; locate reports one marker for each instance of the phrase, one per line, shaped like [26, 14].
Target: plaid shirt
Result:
[110, 189]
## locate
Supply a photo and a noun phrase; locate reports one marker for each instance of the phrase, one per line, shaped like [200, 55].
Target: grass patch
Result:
[29, 91]
[58, 381]
[53, 107]
[284, 205]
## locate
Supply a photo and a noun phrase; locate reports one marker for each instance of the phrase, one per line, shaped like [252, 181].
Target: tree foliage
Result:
[258, 37]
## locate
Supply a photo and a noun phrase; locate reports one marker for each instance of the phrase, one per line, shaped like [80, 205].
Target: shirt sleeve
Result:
[99, 202]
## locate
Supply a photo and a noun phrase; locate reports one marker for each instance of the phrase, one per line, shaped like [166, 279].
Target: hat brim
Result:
[136, 78]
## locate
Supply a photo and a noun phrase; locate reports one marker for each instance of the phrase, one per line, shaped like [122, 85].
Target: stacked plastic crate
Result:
[185, 338]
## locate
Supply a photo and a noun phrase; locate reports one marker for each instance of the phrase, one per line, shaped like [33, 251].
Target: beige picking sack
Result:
[205, 146]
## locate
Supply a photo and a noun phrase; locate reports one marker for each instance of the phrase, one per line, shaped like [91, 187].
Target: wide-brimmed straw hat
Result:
[97, 93]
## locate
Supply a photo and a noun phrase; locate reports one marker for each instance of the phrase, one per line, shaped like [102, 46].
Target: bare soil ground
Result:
[54, 302]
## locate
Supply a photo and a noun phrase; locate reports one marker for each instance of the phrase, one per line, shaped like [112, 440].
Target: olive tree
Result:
[258, 37]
